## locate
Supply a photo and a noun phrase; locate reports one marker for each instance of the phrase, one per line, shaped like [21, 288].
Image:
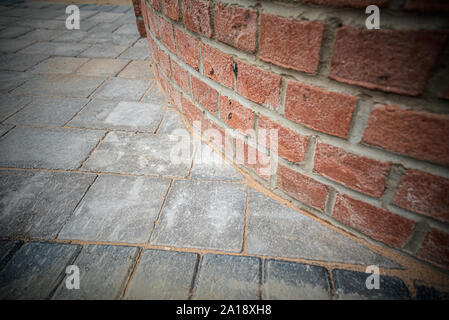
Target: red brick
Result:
[153, 48]
[235, 115]
[257, 85]
[302, 188]
[137, 7]
[428, 5]
[164, 61]
[388, 60]
[435, 248]
[174, 95]
[356, 172]
[217, 65]
[252, 158]
[291, 43]
[180, 76]
[236, 26]
[167, 35]
[141, 27]
[171, 9]
[325, 111]
[193, 114]
[188, 48]
[291, 145]
[377, 223]
[226, 140]
[152, 23]
[143, 11]
[419, 134]
[204, 94]
[155, 4]
[196, 16]
[347, 3]
[424, 193]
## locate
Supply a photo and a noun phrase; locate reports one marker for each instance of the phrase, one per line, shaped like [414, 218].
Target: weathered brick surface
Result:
[204, 94]
[424, 193]
[136, 7]
[428, 5]
[164, 61]
[170, 8]
[291, 145]
[181, 76]
[325, 111]
[253, 158]
[435, 248]
[260, 86]
[347, 3]
[217, 65]
[302, 188]
[167, 35]
[156, 4]
[152, 22]
[235, 115]
[193, 114]
[188, 48]
[141, 27]
[389, 60]
[226, 140]
[419, 134]
[377, 223]
[356, 172]
[196, 16]
[291, 43]
[236, 26]
[174, 95]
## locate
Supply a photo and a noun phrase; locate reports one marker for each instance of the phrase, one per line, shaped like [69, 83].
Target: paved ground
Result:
[86, 180]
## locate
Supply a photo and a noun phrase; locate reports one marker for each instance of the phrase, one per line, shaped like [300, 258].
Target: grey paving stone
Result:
[13, 45]
[20, 62]
[171, 124]
[164, 275]
[119, 209]
[9, 104]
[56, 48]
[41, 24]
[48, 111]
[142, 42]
[154, 95]
[107, 114]
[35, 270]
[47, 14]
[38, 204]
[127, 29]
[84, 14]
[59, 65]
[102, 67]
[5, 128]
[63, 85]
[7, 248]
[56, 148]
[276, 230]
[13, 32]
[7, 21]
[105, 17]
[135, 53]
[104, 271]
[103, 51]
[41, 35]
[204, 215]
[229, 278]
[123, 89]
[137, 70]
[71, 36]
[285, 280]
[425, 292]
[123, 152]
[350, 285]
[10, 80]
[209, 165]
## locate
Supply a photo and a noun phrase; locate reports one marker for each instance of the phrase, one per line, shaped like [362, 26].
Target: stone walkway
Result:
[86, 179]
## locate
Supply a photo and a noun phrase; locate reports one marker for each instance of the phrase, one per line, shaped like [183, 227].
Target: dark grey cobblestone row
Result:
[295, 281]
[35, 270]
[229, 277]
[104, 271]
[163, 275]
[351, 285]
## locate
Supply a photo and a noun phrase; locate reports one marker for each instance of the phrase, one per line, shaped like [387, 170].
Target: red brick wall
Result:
[361, 115]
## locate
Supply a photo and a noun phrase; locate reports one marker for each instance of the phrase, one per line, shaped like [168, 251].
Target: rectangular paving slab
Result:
[9, 104]
[163, 275]
[13, 45]
[119, 209]
[56, 148]
[276, 230]
[124, 152]
[35, 270]
[62, 85]
[204, 215]
[102, 50]
[351, 285]
[5, 128]
[102, 67]
[104, 271]
[10, 80]
[137, 70]
[172, 124]
[108, 114]
[56, 49]
[59, 65]
[37, 204]
[224, 277]
[48, 111]
[123, 89]
[285, 280]
[20, 62]
[7, 249]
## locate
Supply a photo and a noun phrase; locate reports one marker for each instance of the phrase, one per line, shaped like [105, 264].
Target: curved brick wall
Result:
[362, 115]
